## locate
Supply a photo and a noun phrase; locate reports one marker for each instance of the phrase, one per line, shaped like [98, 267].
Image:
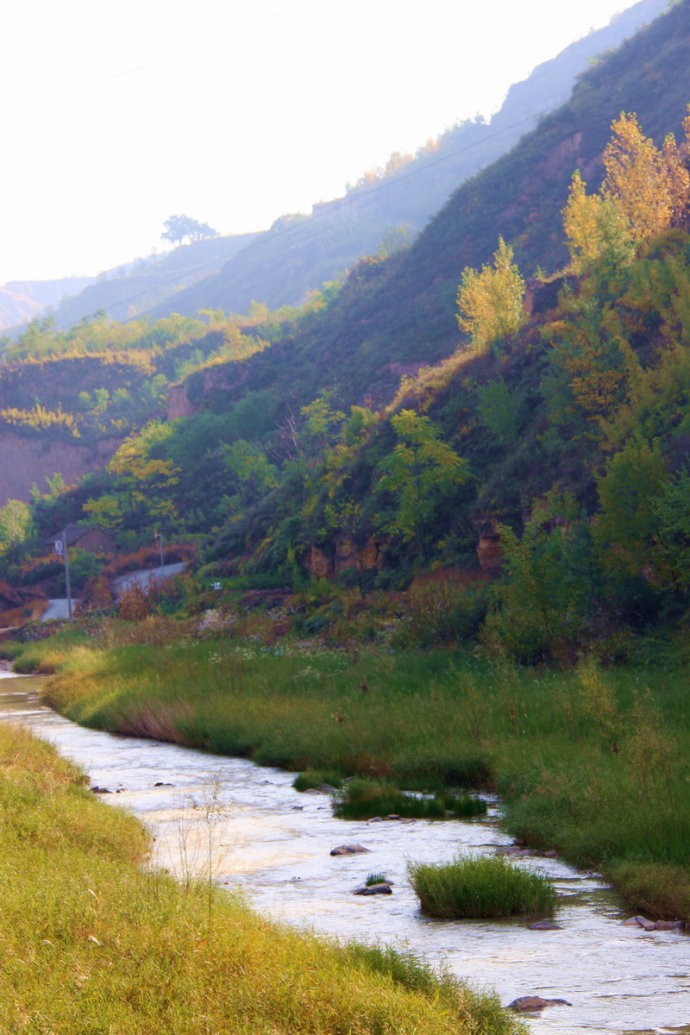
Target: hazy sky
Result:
[119, 113]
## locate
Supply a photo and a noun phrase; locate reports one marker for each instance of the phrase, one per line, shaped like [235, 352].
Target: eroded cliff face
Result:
[26, 461]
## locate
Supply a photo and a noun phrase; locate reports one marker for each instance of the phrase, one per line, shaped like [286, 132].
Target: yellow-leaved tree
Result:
[650, 185]
[595, 228]
[491, 300]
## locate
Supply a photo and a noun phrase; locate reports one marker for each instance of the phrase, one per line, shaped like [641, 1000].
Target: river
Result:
[246, 828]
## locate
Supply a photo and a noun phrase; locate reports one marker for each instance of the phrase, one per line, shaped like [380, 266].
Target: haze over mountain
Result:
[385, 209]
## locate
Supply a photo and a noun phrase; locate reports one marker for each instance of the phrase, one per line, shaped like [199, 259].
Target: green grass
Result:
[93, 942]
[591, 762]
[313, 779]
[481, 888]
[375, 878]
[364, 799]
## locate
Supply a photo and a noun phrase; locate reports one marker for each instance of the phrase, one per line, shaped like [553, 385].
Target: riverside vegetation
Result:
[590, 761]
[549, 413]
[92, 941]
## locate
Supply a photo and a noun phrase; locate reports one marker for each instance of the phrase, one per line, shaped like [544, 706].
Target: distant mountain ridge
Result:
[22, 300]
[299, 253]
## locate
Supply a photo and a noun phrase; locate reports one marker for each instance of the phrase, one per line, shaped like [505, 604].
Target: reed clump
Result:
[364, 799]
[316, 780]
[476, 887]
[93, 942]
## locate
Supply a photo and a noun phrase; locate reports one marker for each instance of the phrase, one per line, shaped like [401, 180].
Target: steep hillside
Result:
[37, 459]
[301, 252]
[394, 315]
[405, 312]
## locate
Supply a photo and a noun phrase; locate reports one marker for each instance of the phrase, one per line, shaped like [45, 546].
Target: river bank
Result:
[248, 829]
[93, 941]
[590, 763]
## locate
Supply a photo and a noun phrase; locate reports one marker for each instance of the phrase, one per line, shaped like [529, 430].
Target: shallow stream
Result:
[248, 829]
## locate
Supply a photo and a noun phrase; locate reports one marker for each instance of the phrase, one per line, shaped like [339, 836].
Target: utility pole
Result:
[159, 536]
[68, 587]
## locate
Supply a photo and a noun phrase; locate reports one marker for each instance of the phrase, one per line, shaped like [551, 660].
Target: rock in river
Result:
[532, 1003]
[349, 850]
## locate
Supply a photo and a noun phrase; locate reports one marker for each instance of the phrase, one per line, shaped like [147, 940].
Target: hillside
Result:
[394, 315]
[131, 290]
[301, 252]
[406, 315]
[369, 437]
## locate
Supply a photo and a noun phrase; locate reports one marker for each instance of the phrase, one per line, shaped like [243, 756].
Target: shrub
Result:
[443, 613]
[478, 887]
[437, 770]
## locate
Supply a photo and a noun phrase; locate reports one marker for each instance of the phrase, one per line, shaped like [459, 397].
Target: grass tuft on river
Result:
[481, 888]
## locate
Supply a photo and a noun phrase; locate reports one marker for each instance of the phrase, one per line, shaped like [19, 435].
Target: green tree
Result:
[672, 554]
[596, 230]
[498, 410]
[16, 527]
[490, 300]
[252, 475]
[543, 599]
[626, 528]
[419, 473]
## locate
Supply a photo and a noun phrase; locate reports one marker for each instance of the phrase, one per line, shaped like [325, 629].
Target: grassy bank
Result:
[91, 942]
[591, 762]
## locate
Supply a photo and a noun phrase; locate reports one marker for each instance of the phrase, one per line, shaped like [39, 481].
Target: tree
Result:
[251, 473]
[596, 230]
[16, 526]
[672, 553]
[650, 186]
[420, 472]
[490, 300]
[179, 227]
[543, 599]
[626, 529]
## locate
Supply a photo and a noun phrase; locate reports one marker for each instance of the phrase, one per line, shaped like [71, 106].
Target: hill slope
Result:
[300, 253]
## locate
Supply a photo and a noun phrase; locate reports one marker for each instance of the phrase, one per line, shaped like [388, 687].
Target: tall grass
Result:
[92, 942]
[591, 762]
[364, 799]
[481, 887]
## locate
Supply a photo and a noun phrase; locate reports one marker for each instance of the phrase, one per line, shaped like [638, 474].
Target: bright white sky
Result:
[119, 113]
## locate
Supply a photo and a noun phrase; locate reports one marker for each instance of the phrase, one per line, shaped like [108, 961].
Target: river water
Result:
[247, 828]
